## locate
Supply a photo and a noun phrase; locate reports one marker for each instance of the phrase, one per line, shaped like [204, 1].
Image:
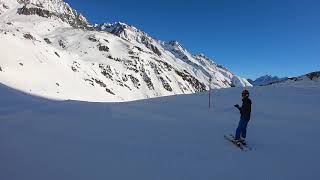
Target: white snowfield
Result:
[49, 50]
[171, 138]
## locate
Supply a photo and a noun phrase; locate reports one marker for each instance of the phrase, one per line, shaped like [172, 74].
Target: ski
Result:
[244, 145]
[231, 139]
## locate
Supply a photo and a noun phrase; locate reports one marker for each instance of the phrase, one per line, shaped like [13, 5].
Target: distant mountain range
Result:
[265, 80]
[313, 77]
[269, 80]
[49, 49]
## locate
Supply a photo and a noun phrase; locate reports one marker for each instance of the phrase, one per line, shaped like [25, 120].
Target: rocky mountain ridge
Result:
[53, 51]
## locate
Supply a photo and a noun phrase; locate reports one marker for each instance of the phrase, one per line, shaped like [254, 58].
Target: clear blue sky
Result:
[250, 37]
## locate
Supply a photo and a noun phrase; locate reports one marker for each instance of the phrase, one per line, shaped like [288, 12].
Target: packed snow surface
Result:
[168, 138]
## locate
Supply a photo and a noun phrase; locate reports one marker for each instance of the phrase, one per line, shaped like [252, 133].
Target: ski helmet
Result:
[245, 92]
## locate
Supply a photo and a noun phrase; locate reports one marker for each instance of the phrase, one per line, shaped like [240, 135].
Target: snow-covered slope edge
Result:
[50, 50]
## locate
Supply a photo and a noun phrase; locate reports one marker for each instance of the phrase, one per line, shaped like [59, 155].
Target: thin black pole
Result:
[210, 93]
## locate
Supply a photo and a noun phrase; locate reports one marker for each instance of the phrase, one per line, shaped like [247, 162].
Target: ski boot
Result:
[243, 141]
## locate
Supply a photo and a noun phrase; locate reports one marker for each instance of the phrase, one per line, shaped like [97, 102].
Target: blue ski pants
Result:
[242, 129]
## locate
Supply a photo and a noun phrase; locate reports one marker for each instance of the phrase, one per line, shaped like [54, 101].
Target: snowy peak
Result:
[175, 44]
[203, 59]
[131, 34]
[177, 49]
[198, 61]
[267, 79]
[54, 8]
[123, 30]
[118, 29]
[57, 6]
[202, 56]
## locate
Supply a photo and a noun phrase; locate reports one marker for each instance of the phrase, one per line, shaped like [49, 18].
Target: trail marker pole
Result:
[210, 93]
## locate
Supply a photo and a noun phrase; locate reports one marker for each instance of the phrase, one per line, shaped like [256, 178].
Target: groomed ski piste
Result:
[167, 138]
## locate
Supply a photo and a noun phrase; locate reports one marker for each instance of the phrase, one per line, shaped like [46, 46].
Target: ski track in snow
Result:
[164, 138]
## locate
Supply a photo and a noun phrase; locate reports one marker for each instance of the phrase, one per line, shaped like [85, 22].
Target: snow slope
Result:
[50, 50]
[168, 138]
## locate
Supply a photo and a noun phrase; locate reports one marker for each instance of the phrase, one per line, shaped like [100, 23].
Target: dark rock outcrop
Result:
[47, 40]
[313, 75]
[165, 84]
[103, 48]
[147, 80]
[135, 81]
[194, 82]
[71, 17]
[29, 36]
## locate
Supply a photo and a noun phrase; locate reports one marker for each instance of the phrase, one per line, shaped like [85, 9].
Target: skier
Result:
[245, 111]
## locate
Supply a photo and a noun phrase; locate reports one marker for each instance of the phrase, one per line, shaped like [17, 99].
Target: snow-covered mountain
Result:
[57, 8]
[49, 49]
[310, 78]
[266, 80]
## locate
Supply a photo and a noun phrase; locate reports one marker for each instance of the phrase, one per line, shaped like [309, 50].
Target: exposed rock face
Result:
[103, 48]
[194, 82]
[149, 45]
[126, 32]
[47, 40]
[29, 36]
[56, 8]
[314, 75]
[148, 81]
